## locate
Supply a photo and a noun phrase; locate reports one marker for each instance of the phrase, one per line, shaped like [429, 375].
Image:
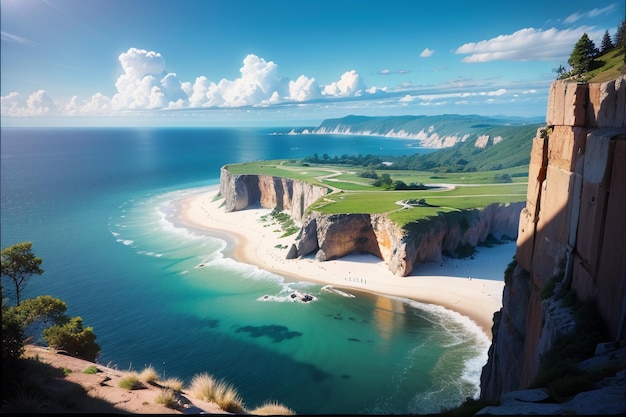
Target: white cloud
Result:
[350, 85]
[574, 17]
[303, 89]
[144, 84]
[525, 44]
[137, 63]
[427, 53]
[257, 85]
[99, 104]
[147, 85]
[9, 37]
[12, 104]
[37, 104]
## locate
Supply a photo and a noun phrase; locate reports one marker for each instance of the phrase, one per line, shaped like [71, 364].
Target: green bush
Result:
[91, 370]
[12, 337]
[73, 338]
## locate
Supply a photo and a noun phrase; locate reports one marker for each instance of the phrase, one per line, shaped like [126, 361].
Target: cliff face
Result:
[572, 230]
[242, 191]
[333, 236]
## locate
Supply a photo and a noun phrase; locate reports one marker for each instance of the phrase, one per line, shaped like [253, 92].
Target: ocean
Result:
[98, 205]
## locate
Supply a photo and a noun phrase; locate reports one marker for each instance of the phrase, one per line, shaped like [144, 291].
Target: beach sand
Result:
[457, 285]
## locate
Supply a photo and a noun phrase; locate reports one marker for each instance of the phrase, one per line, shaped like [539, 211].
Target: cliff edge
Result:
[332, 236]
[572, 237]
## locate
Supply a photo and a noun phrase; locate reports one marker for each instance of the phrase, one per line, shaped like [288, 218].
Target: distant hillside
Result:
[492, 148]
[440, 131]
[468, 142]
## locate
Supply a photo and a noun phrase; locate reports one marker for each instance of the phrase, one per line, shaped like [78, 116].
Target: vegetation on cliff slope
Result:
[353, 193]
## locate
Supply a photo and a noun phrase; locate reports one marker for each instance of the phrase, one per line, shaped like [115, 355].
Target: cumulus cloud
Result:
[258, 83]
[99, 104]
[349, 85]
[37, 104]
[525, 44]
[427, 53]
[146, 84]
[303, 89]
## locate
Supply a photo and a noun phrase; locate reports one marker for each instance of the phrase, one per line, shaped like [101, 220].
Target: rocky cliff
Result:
[572, 234]
[243, 191]
[402, 248]
[334, 236]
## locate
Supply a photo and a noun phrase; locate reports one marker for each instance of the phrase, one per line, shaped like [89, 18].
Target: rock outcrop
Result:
[572, 232]
[402, 248]
[243, 191]
[334, 236]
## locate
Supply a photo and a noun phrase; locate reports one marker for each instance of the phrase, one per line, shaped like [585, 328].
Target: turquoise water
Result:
[99, 207]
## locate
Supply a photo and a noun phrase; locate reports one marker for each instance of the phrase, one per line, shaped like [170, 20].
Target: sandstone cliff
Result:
[572, 233]
[334, 236]
[242, 191]
[402, 248]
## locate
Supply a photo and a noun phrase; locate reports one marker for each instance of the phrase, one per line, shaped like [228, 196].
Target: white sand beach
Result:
[454, 284]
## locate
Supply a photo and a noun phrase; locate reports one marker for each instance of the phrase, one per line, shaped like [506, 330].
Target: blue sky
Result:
[279, 62]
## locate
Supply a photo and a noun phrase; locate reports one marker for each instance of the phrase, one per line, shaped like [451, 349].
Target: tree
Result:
[582, 55]
[43, 309]
[620, 35]
[12, 338]
[607, 44]
[19, 264]
[73, 338]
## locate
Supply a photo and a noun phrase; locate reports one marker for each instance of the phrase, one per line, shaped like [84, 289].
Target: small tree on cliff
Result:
[19, 263]
[620, 35]
[607, 44]
[582, 56]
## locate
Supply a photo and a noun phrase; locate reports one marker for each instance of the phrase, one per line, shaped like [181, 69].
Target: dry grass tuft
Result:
[273, 408]
[167, 397]
[205, 387]
[175, 384]
[227, 397]
[202, 386]
[148, 375]
[130, 381]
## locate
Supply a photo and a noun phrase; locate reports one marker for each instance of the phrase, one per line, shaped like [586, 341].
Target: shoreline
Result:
[253, 242]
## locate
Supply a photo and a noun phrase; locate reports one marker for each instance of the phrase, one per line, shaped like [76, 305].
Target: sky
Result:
[284, 62]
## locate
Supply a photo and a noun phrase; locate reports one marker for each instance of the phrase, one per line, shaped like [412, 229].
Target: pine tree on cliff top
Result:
[607, 44]
[582, 56]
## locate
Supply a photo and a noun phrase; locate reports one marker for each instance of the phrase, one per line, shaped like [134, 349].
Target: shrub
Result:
[227, 397]
[12, 338]
[73, 338]
[174, 384]
[130, 381]
[202, 387]
[272, 408]
[167, 397]
[148, 375]
[91, 370]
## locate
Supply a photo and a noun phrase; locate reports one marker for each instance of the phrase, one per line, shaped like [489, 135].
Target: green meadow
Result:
[352, 193]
